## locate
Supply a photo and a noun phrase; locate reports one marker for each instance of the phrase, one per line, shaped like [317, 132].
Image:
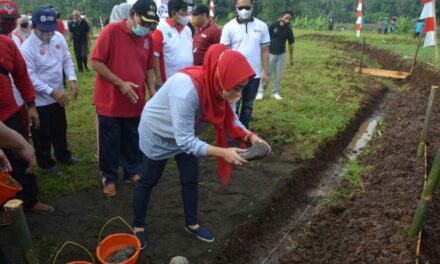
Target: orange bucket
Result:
[115, 242]
[76, 261]
[8, 187]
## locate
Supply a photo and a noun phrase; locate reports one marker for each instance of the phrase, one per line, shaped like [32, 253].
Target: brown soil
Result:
[372, 227]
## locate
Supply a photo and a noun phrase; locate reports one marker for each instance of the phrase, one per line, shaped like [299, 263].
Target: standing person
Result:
[120, 91]
[120, 12]
[379, 26]
[206, 34]
[331, 24]
[385, 26]
[61, 27]
[393, 24]
[249, 36]
[11, 61]
[23, 30]
[171, 121]
[280, 33]
[79, 33]
[47, 56]
[172, 42]
[419, 28]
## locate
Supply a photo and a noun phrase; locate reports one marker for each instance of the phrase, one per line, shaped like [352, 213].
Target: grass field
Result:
[320, 97]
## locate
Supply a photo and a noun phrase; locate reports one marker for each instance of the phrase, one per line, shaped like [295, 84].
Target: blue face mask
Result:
[140, 31]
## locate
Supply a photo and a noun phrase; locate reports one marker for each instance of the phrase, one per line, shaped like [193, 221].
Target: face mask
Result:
[244, 14]
[7, 27]
[140, 31]
[195, 21]
[46, 37]
[183, 20]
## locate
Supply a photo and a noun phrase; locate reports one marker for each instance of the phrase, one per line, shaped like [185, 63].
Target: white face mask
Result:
[244, 14]
[183, 20]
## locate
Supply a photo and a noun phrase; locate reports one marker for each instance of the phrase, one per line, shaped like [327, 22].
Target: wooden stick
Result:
[419, 239]
[20, 228]
[416, 55]
[424, 136]
[382, 73]
[426, 198]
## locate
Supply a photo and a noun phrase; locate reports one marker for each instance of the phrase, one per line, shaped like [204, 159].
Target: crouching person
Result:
[168, 127]
[47, 55]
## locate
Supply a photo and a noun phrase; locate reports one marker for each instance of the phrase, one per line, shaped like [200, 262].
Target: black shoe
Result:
[71, 161]
[142, 238]
[54, 171]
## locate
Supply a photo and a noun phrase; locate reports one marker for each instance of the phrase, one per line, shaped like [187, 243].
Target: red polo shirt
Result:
[203, 38]
[61, 27]
[129, 58]
[12, 62]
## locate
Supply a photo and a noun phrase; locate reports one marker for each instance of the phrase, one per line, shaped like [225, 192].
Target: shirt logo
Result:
[146, 44]
[42, 51]
[57, 46]
[203, 36]
[257, 31]
[170, 35]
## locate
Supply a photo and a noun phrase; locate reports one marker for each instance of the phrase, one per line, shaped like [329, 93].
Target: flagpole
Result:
[435, 34]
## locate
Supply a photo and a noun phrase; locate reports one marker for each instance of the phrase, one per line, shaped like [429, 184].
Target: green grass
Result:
[321, 96]
[402, 44]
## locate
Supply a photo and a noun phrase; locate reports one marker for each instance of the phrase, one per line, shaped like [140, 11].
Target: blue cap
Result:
[44, 18]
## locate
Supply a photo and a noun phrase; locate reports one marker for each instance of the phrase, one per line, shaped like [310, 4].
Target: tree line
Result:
[342, 11]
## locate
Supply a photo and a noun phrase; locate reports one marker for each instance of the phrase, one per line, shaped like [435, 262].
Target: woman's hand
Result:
[231, 156]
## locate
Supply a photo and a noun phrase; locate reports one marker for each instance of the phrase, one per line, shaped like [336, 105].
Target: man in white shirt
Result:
[249, 36]
[172, 42]
[47, 55]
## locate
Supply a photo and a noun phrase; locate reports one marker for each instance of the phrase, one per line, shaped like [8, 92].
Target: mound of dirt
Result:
[372, 227]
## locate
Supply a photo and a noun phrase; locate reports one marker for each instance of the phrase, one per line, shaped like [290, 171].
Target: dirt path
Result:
[372, 227]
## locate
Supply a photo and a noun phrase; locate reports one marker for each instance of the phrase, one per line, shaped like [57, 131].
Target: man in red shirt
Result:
[123, 59]
[11, 62]
[207, 33]
[61, 27]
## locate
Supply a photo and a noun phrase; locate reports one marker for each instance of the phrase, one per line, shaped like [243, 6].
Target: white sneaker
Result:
[277, 96]
[259, 96]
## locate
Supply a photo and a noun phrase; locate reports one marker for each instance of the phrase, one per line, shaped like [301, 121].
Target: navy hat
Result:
[44, 18]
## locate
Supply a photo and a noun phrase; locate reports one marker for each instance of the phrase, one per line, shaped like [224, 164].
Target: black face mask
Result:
[24, 24]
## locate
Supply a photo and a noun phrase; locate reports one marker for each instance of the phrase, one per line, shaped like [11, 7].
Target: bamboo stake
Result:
[423, 138]
[419, 239]
[426, 198]
[20, 228]
[417, 54]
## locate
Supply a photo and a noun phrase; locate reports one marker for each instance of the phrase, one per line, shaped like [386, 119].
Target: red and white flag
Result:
[211, 9]
[360, 19]
[430, 24]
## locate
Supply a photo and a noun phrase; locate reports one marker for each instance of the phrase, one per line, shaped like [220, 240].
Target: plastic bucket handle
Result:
[74, 244]
[111, 220]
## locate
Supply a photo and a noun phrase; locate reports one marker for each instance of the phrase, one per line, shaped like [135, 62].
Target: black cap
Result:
[147, 10]
[201, 9]
[176, 5]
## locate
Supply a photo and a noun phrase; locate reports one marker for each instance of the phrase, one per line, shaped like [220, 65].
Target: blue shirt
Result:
[170, 121]
[419, 27]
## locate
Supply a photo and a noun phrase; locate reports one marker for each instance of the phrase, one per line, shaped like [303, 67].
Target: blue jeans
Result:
[247, 101]
[152, 170]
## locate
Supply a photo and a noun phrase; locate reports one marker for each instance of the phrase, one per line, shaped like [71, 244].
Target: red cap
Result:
[8, 9]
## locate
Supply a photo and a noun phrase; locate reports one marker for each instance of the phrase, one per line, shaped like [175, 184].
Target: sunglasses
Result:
[244, 7]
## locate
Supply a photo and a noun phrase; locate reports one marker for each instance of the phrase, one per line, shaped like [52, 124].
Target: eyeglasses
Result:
[244, 7]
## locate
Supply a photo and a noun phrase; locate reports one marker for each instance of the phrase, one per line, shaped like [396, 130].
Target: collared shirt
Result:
[12, 61]
[170, 121]
[279, 35]
[128, 57]
[45, 63]
[203, 39]
[79, 30]
[173, 44]
[247, 38]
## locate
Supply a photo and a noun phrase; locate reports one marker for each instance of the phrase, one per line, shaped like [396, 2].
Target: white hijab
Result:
[120, 12]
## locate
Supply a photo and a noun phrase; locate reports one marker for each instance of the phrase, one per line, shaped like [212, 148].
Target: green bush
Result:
[319, 23]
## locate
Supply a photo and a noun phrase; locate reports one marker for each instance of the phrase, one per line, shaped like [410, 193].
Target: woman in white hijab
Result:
[120, 12]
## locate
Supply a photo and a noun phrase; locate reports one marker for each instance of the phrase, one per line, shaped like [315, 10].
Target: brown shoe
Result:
[42, 209]
[110, 190]
[5, 219]
[133, 180]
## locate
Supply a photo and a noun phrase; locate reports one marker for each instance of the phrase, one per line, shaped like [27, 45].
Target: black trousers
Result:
[52, 132]
[118, 143]
[81, 51]
[29, 194]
